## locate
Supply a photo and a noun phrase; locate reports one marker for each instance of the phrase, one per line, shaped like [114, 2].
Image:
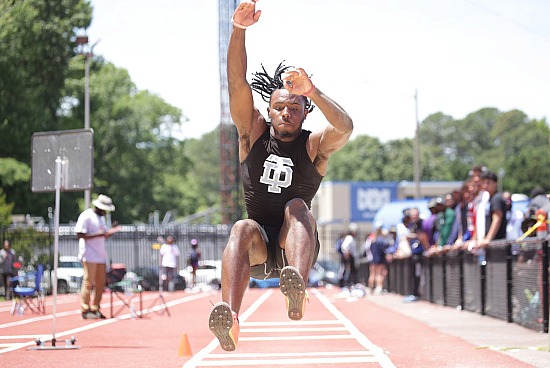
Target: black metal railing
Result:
[510, 282]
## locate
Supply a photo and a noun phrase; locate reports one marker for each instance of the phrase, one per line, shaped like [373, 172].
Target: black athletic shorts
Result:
[276, 257]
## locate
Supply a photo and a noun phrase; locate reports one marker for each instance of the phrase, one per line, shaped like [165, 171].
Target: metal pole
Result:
[87, 91]
[545, 292]
[416, 149]
[88, 56]
[87, 113]
[56, 241]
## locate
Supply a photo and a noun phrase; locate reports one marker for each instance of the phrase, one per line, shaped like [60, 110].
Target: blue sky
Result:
[368, 55]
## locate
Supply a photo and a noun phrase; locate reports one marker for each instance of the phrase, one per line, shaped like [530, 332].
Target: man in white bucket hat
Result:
[91, 231]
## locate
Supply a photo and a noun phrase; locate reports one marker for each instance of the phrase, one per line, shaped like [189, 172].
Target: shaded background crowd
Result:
[470, 218]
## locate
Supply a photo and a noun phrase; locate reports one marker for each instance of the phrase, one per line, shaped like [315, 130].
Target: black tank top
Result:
[276, 172]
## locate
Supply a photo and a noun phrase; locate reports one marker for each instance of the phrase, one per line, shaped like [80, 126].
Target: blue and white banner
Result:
[368, 197]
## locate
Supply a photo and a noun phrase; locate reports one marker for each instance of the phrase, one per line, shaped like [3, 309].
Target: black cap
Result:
[434, 202]
[489, 175]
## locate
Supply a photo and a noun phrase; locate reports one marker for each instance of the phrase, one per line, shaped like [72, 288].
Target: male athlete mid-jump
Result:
[282, 168]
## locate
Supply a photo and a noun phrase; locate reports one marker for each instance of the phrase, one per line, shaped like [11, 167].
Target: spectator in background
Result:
[193, 260]
[446, 220]
[380, 245]
[514, 218]
[338, 247]
[390, 252]
[91, 231]
[364, 258]
[349, 252]
[460, 224]
[539, 200]
[491, 212]
[403, 247]
[476, 172]
[430, 225]
[419, 242]
[7, 259]
[169, 253]
[474, 188]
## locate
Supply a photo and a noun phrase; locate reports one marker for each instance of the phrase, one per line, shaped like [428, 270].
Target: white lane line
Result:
[290, 329]
[300, 338]
[291, 323]
[11, 345]
[288, 355]
[287, 362]
[63, 314]
[104, 306]
[49, 302]
[37, 319]
[372, 354]
[197, 358]
[378, 353]
[48, 336]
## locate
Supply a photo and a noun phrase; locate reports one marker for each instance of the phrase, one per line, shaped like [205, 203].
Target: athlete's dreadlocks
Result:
[264, 84]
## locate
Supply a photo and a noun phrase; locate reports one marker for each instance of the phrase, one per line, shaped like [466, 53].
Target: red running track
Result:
[335, 332]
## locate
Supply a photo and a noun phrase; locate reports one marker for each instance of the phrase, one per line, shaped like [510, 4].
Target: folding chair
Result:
[124, 289]
[28, 297]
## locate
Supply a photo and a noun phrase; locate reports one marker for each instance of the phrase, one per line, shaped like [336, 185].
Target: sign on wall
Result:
[368, 197]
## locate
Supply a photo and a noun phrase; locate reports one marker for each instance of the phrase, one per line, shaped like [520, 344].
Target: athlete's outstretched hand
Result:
[297, 82]
[246, 15]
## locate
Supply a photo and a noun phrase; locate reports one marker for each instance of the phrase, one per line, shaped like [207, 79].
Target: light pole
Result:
[88, 52]
[501, 173]
[416, 149]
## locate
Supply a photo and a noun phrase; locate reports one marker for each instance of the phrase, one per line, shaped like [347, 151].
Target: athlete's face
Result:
[287, 112]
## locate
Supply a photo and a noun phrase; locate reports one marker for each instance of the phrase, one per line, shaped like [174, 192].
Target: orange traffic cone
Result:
[185, 348]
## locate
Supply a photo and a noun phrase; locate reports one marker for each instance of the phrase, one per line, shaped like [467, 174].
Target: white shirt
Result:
[481, 211]
[401, 232]
[513, 228]
[91, 250]
[349, 246]
[169, 254]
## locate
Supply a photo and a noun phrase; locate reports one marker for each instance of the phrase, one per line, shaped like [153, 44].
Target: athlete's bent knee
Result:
[296, 206]
[243, 231]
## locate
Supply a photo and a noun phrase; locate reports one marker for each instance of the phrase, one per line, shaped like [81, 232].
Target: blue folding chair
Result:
[28, 297]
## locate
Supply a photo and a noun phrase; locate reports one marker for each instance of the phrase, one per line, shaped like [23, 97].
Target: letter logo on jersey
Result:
[277, 173]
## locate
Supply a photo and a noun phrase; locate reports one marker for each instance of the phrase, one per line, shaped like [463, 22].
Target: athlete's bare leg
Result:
[245, 247]
[297, 236]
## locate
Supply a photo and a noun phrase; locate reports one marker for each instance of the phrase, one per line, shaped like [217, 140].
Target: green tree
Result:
[36, 44]
[498, 140]
[5, 210]
[522, 151]
[361, 159]
[399, 163]
[16, 176]
[136, 160]
[365, 158]
[204, 169]
[32, 245]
